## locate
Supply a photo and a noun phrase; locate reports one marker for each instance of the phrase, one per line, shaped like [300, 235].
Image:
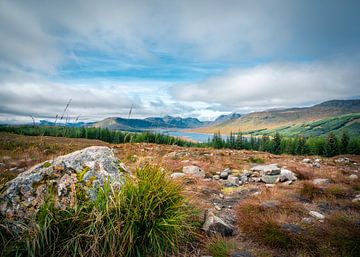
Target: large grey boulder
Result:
[79, 173]
[287, 175]
[194, 171]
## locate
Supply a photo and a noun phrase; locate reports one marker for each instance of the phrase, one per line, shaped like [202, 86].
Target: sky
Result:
[198, 58]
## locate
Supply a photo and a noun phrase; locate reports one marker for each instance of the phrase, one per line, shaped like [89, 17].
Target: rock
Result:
[316, 165]
[85, 170]
[2, 165]
[287, 175]
[317, 160]
[224, 175]
[234, 180]
[269, 179]
[215, 225]
[321, 181]
[123, 167]
[270, 204]
[271, 169]
[194, 171]
[307, 220]
[216, 177]
[241, 254]
[306, 160]
[353, 177]
[357, 198]
[177, 175]
[244, 179]
[13, 169]
[343, 160]
[228, 171]
[316, 215]
[293, 228]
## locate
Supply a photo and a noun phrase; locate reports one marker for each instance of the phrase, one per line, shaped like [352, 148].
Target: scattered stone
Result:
[13, 169]
[269, 179]
[194, 171]
[357, 198]
[241, 254]
[293, 228]
[224, 175]
[86, 169]
[216, 177]
[234, 180]
[215, 225]
[307, 220]
[353, 177]
[271, 169]
[270, 204]
[287, 175]
[306, 160]
[123, 167]
[269, 185]
[343, 160]
[2, 164]
[228, 170]
[316, 165]
[221, 195]
[317, 160]
[321, 181]
[316, 215]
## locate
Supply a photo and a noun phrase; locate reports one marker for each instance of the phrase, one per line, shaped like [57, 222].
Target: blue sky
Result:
[188, 58]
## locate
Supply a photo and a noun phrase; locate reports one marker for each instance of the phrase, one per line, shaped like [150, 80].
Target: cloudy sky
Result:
[189, 58]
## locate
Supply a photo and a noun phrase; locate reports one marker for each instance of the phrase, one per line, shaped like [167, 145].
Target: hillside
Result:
[286, 118]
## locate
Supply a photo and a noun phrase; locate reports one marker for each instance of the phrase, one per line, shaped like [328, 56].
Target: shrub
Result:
[147, 217]
[257, 160]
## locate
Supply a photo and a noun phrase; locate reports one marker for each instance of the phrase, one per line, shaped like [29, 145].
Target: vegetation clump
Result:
[147, 216]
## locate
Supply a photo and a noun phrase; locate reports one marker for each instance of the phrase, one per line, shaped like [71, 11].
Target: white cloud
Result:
[276, 85]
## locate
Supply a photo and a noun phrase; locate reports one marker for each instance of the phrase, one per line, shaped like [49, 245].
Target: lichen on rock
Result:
[72, 177]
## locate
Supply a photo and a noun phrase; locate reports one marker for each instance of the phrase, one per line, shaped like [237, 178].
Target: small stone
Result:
[287, 175]
[306, 160]
[316, 215]
[194, 171]
[316, 165]
[215, 225]
[270, 204]
[271, 169]
[353, 177]
[321, 181]
[177, 175]
[307, 220]
[241, 254]
[291, 228]
[224, 175]
[234, 180]
[269, 179]
[216, 177]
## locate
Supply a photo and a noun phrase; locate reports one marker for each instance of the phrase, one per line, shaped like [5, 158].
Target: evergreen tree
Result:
[276, 144]
[332, 145]
[344, 143]
[300, 145]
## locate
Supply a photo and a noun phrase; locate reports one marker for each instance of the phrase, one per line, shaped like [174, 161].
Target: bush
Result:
[147, 217]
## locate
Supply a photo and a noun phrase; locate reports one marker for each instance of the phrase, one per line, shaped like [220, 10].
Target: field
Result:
[268, 220]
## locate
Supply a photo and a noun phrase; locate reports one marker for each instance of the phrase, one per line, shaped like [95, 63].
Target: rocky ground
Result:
[239, 194]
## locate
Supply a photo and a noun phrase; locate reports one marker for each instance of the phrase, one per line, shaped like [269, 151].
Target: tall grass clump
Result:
[148, 216]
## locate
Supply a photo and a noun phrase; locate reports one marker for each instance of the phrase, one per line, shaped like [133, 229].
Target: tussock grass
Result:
[148, 216]
[220, 247]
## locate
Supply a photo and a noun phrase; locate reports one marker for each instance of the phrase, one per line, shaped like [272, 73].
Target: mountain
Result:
[275, 119]
[225, 118]
[166, 122]
[69, 124]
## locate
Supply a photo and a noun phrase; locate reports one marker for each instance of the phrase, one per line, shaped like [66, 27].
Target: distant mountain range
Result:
[335, 115]
[315, 120]
[167, 122]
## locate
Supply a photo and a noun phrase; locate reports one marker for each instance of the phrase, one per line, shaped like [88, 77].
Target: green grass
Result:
[148, 216]
[220, 247]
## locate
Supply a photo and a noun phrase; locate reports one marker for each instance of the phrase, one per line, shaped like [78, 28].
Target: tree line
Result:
[329, 145]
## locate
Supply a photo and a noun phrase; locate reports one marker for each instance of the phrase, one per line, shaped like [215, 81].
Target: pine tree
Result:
[332, 145]
[344, 143]
[276, 144]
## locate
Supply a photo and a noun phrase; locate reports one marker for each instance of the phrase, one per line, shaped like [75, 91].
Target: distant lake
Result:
[199, 137]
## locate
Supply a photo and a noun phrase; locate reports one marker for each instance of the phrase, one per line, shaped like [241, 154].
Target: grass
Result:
[310, 191]
[220, 247]
[256, 160]
[148, 216]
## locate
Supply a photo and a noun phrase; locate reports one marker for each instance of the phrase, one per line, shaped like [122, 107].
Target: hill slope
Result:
[275, 119]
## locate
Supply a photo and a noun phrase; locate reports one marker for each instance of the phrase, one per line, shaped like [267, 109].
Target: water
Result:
[198, 137]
